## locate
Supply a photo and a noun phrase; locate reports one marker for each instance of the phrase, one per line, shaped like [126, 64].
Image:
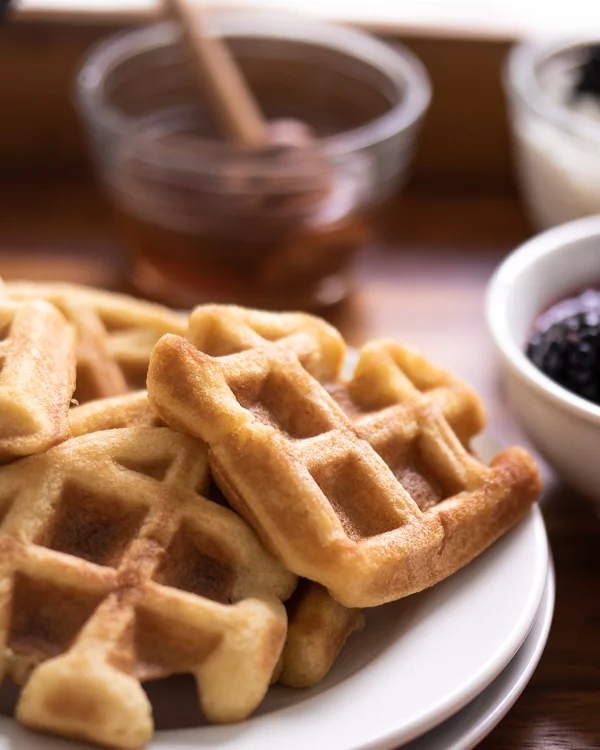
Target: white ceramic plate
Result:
[468, 727]
[416, 663]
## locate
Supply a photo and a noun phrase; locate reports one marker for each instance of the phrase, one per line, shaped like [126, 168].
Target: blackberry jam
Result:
[565, 344]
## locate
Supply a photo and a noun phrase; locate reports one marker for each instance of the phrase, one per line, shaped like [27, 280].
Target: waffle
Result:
[131, 410]
[317, 629]
[116, 334]
[37, 377]
[116, 570]
[362, 486]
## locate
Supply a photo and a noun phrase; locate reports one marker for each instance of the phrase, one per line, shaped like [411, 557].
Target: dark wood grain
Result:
[423, 283]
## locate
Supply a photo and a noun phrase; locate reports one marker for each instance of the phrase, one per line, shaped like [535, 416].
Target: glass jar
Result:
[556, 138]
[208, 221]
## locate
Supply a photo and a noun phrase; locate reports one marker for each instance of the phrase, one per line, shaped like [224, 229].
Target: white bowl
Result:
[563, 427]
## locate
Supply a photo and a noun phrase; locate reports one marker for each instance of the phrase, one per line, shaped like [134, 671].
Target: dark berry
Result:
[568, 351]
[589, 74]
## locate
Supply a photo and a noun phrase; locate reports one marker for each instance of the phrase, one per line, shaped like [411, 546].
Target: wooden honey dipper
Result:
[223, 84]
[261, 202]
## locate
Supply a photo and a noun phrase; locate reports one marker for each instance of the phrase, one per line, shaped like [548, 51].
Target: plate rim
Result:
[497, 708]
[462, 696]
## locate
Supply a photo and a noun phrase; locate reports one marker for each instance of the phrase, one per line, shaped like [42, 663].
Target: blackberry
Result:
[568, 352]
[589, 74]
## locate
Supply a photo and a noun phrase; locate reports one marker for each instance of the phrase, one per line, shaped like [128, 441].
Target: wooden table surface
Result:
[423, 284]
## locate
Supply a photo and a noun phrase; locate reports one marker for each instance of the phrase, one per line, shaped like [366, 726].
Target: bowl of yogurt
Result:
[553, 93]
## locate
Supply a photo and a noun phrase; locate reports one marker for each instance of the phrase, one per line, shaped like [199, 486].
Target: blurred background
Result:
[492, 17]
[458, 172]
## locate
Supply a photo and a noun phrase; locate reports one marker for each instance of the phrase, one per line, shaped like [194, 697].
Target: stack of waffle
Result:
[150, 534]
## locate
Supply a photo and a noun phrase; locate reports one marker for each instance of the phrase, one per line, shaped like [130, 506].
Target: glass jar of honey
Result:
[278, 227]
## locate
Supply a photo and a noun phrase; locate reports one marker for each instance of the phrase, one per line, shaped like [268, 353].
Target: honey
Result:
[204, 222]
[308, 269]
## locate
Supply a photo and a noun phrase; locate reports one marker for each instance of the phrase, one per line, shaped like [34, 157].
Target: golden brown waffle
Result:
[131, 410]
[334, 487]
[37, 377]
[116, 333]
[114, 570]
[318, 627]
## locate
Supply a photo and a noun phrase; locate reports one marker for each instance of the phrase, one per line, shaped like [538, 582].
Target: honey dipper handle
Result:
[221, 79]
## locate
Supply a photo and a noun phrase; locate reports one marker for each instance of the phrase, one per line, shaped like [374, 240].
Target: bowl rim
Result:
[520, 82]
[395, 60]
[496, 304]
